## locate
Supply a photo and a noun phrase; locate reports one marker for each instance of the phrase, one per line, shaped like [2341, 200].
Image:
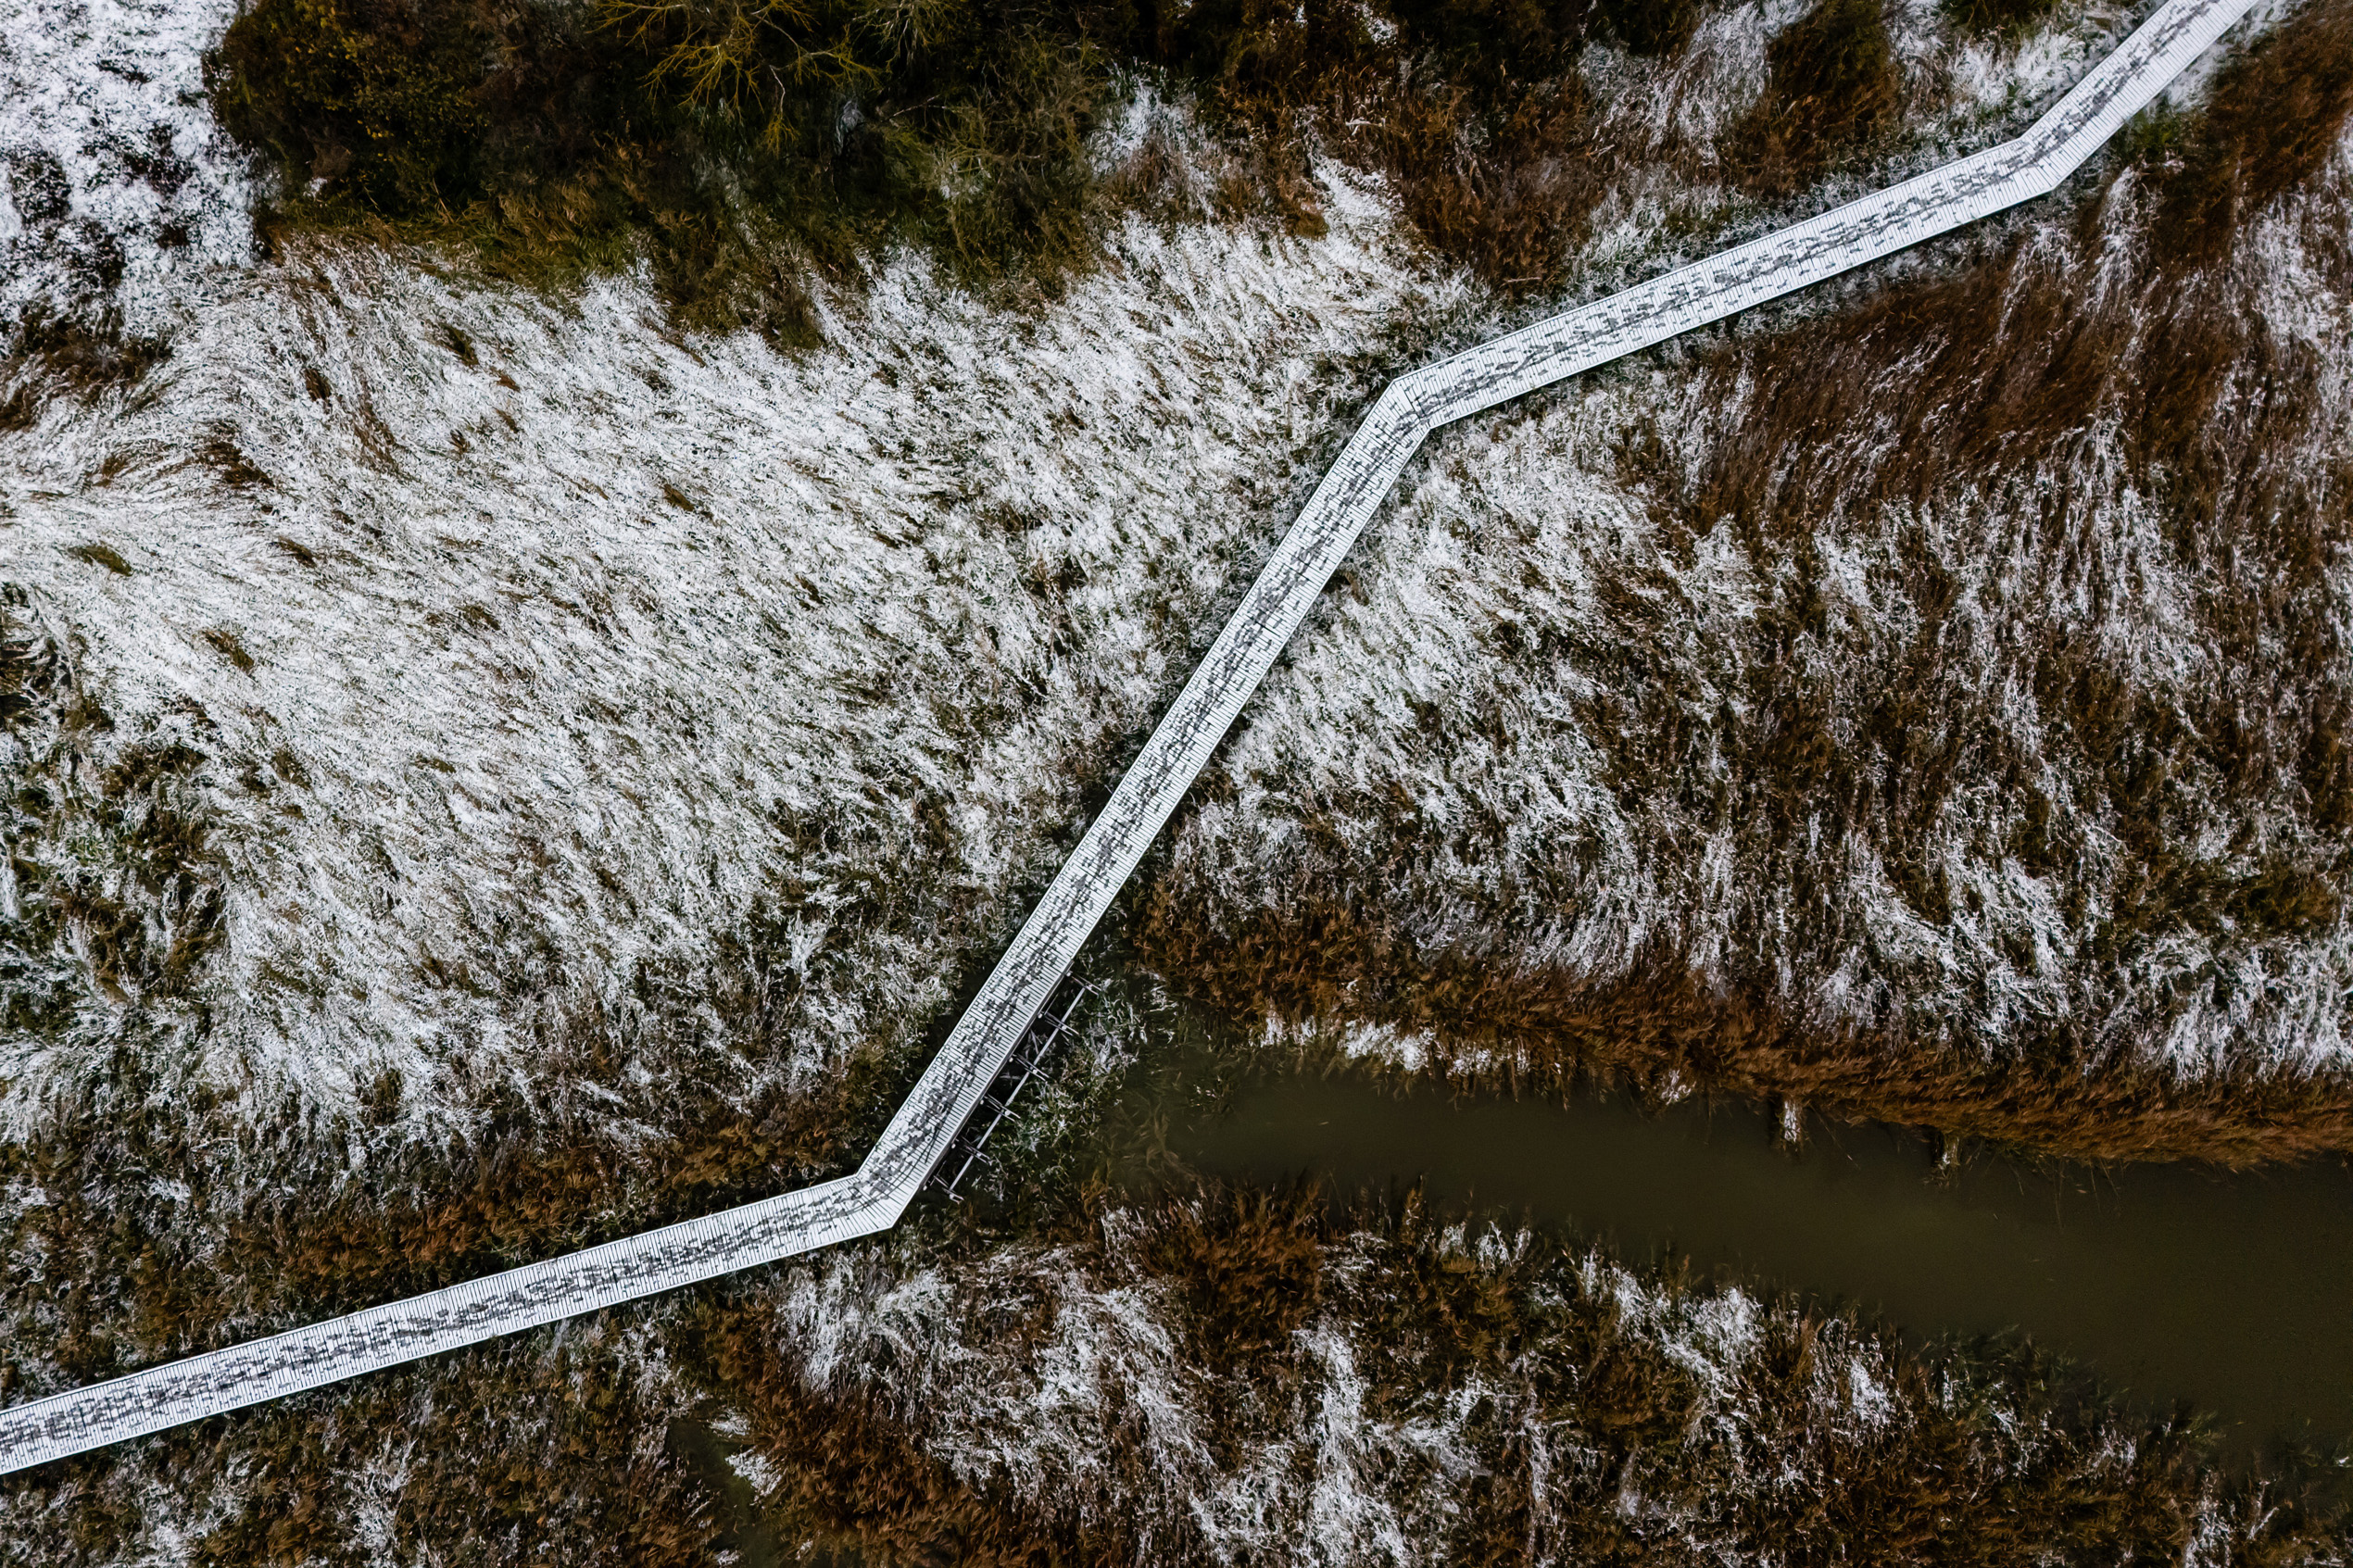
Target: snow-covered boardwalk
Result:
[874, 1197]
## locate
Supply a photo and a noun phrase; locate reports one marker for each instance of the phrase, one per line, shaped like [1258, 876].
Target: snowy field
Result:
[513, 662]
[121, 193]
[422, 693]
[531, 648]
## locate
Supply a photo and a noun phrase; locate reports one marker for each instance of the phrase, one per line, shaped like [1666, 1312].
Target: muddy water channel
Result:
[2232, 1292]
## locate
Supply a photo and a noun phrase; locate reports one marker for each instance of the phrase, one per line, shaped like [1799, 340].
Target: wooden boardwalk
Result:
[921, 1133]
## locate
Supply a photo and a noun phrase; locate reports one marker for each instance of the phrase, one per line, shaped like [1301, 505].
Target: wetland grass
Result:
[1958, 394]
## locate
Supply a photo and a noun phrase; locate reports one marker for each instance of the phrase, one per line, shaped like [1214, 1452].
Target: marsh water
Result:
[2171, 1283]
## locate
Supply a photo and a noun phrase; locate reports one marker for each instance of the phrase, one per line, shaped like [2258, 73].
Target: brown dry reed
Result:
[540, 1450]
[2010, 371]
[1973, 382]
[1830, 82]
[53, 351]
[1591, 1437]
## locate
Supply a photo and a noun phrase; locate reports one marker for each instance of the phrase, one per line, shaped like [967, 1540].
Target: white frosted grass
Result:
[1666, 117]
[872, 1199]
[112, 155]
[517, 711]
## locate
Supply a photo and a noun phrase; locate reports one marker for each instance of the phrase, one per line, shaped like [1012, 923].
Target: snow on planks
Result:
[1000, 1016]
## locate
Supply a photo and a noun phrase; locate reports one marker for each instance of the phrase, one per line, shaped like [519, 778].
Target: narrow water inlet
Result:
[2172, 1283]
[743, 1529]
[745, 1525]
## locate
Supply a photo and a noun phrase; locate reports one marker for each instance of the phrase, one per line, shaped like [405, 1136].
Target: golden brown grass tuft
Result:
[1250, 1266]
[1830, 82]
[2273, 120]
[857, 1476]
[1665, 1030]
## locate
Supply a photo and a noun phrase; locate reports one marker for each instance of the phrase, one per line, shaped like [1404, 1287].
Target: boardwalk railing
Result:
[976, 1050]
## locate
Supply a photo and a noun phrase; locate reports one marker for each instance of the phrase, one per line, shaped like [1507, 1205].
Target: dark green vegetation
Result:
[738, 146]
[2199, 817]
[1648, 26]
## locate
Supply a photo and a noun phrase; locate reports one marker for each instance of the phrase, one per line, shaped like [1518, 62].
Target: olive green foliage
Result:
[739, 144]
[1600, 1414]
[2005, 19]
[732, 144]
[375, 96]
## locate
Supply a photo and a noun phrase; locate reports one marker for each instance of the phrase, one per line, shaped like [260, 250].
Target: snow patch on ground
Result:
[1451, 728]
[120, 189]
[539, 648]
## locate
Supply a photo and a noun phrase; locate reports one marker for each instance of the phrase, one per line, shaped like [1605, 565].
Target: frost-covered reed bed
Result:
[514, 772]
[1933, 710]
[179, 1170]
[1231, 1377]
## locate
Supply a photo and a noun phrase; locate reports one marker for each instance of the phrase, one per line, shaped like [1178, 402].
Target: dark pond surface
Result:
[2172, 1283]
[744, 1527]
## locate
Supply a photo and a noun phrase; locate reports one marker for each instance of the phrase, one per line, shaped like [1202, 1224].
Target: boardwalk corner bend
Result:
[920, 1135]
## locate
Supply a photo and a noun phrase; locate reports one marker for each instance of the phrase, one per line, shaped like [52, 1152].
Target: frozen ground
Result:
[1059, 1380]
[519, 655]
[120, 191]
[1287, 591]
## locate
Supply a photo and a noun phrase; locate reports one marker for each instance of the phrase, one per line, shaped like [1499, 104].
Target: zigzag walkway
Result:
[985, 1038]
